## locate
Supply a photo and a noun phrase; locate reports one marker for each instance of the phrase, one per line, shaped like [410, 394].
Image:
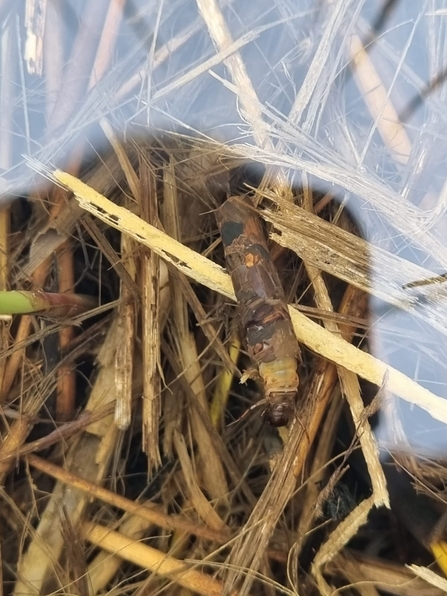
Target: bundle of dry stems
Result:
[124, 126]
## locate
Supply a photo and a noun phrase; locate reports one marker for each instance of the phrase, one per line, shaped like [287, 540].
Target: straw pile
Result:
[124, 125]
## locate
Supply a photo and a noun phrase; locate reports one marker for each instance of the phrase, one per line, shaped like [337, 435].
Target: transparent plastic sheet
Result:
[333, 130]
[284, 84]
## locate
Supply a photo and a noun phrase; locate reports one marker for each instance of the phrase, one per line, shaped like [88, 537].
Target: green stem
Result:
[51, 304]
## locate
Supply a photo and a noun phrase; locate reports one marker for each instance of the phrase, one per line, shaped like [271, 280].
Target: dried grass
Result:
[124, 137]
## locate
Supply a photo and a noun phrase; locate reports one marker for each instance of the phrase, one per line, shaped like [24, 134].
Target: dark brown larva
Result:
[271, 341]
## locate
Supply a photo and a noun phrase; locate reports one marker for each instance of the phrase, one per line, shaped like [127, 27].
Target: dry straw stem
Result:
[124, 356]
[149, 558]
[15, 437]
[103, 568]
[246, 93]
[214, 277]
[39, 388]
[317, 67]
[353, 260]
[224, 382]
[148, 511]
[429, 576]
[337, 539]
[74, 82]
[307, 97]
[66, 377]
[349, 383]
[389, 577]
[218, 442]
[171, 47]
[52, 234]
[4, 274]
[229, 361]
[366, 366]
[150, 319]
[200, 503]
[106, 46]
[187, 261]
[327, 166]
[162, 54]
[91, 453]
[351, 389]
[221, 36]
[313, 497]
[14, 361]
[192, 74]
[123, 159]
[143, 190]
[213, 475]
[379, 104]
[209, 461]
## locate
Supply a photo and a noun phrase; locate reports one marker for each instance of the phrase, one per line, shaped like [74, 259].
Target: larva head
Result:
[280, 414]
